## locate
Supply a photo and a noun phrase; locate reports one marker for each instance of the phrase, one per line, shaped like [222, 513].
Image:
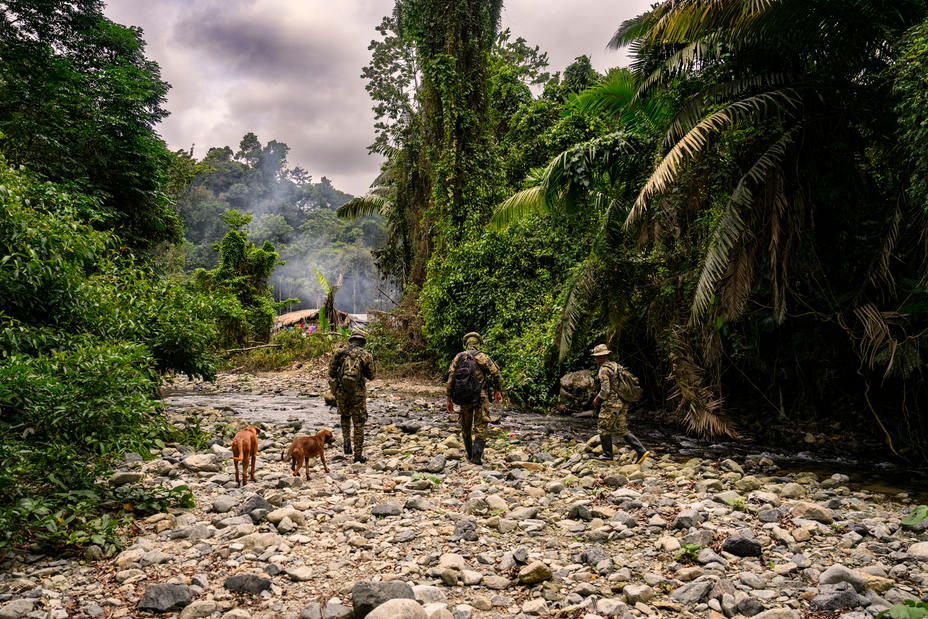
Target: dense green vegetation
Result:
[287, 210]
[740, 213]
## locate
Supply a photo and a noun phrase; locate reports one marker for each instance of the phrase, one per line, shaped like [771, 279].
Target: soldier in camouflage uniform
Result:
[476, 415]
[613, 413]
[353, 407]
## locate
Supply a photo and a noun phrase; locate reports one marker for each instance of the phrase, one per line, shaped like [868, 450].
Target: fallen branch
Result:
[252, 348]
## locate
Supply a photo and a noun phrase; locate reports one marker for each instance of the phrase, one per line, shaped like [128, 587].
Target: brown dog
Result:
[245, 448]
[306, 447]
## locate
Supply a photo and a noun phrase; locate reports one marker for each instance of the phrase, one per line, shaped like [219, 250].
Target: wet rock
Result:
[165, 598]
[247, 583]
[368, 595]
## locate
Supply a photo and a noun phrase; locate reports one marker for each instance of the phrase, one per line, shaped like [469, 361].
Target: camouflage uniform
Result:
[477, 415]
[353, 408]
[613, 414]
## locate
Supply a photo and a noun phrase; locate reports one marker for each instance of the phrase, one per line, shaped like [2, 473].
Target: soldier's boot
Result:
[359, 449]
[606, 441]
[347, 447]
[359, 458]
[469, 447]
[635, 444]
[479, 445]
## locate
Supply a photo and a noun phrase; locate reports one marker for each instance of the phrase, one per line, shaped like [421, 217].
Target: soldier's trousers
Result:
[613, 420]
[353, 409]
[475, 418]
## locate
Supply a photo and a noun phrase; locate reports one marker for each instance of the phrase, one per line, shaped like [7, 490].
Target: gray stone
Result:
[330, 611]
[387, 508]
[198, 610]
[611, 607]
[522, 513]
[300, 574]
[497, 583]
[165, 598]
[224, 504]
[691, 593]
[919, 551]
[17, 609]
[742, 546]
[126, 477]
[615, 481]
[398, 609]
[752, 580]
[686, 519]
[702, 537]
[731, 465]
[201, 463]
[367, 595]
[638, 593]
[839, 573]
[95, 611]
[707, 555]
[721, 588]
[840, 595]
[778, 613]
[811, 511]
[535, 573]
[427, 594]
[770, 515]
[420, 503]
[247, 583]
[592, 555]
[436, 464]
[253, 502]
[749, 607]
[153, 557]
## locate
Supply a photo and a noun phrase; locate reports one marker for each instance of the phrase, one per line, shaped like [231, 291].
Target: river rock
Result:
[17, 609]
[331, 610]
[165, 598]
[125, 477]
[919, 551]
[253, 502]
[398, 609]
[577, 390]
[197, 463]
[387, 508]
[638, 593]
[535, 573]
[840, 595]
[368, 595]
[199, 609]
[691, 593]
[428, 594]
[247, 583]
[839, 573]
[811, 511]
[742, 546]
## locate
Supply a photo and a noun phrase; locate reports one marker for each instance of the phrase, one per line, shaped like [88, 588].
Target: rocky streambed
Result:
[542, 530]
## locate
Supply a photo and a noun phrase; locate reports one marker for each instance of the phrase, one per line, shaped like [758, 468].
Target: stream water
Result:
[878, 473]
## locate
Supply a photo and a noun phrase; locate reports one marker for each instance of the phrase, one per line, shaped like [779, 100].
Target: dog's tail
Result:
[238, 459]
[287, 454]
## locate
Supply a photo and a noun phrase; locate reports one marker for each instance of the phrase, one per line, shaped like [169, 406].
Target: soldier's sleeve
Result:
[492, 370]
[454, 365]
[370, 369]
[604, 384]
[333, 365]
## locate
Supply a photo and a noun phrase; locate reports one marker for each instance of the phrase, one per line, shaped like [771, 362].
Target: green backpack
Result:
[349, 373]
[626, 385]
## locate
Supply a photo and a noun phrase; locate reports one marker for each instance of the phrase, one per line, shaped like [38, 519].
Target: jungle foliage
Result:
[743, 208]
[286, 209]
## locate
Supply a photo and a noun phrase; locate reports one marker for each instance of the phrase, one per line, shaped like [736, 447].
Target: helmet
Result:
[474, 335]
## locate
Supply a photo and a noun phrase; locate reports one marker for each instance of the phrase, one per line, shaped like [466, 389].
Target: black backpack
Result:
[465, 386]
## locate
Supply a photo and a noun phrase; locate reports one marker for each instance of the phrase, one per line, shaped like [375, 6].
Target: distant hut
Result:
[310, 317]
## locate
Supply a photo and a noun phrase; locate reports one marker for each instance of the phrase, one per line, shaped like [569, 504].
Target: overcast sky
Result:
[289, 70]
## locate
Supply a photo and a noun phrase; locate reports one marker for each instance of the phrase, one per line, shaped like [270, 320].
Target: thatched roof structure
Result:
[292, 318]
[310, 315]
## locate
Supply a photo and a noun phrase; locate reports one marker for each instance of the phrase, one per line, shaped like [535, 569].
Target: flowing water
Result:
[878, 472]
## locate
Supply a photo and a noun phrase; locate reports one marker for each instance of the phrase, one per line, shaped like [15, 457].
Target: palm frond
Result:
[574, 315]
[697, 138]
[617, 96]
[362, 207]
[730, 225]
[527, 202]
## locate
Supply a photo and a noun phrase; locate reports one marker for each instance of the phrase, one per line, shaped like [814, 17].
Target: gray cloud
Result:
[289, 70]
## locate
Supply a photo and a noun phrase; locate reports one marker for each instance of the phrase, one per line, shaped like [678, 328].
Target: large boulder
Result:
[578, 390]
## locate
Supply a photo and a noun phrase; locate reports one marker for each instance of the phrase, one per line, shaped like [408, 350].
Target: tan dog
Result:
[306, 447]
[245, 448]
